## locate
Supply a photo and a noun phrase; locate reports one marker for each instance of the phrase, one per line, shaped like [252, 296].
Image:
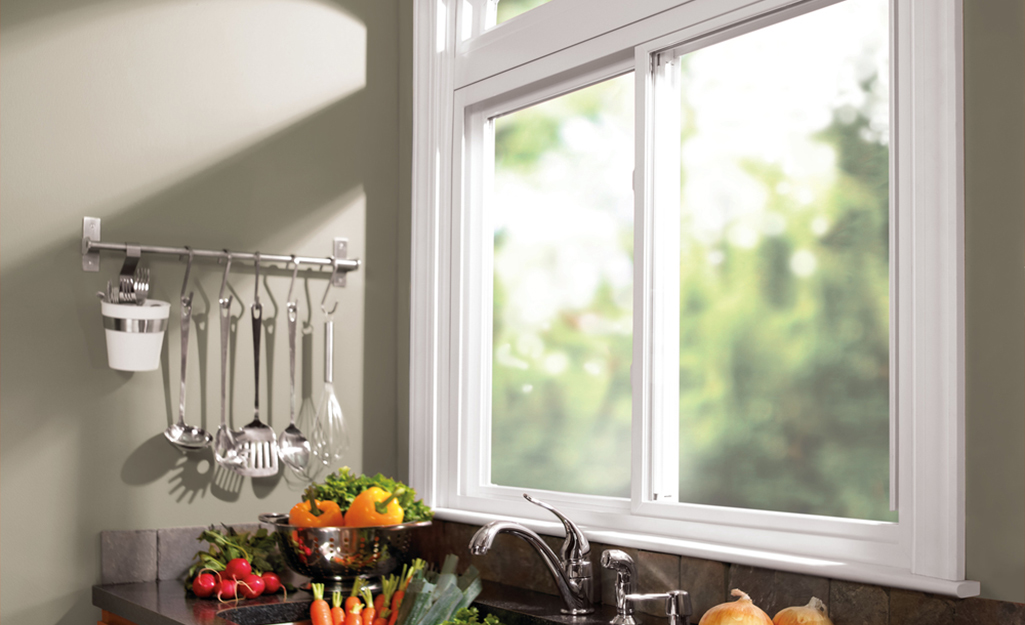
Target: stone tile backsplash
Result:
[774, 590]
[128, 556]
[511, 561]
[863, 604]
[148, 555]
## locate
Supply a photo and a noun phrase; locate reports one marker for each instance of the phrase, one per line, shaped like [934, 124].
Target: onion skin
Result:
[740, 612]
[812, 614]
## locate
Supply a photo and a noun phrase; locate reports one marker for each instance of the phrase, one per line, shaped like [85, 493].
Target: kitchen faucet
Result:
[571, 571]
[678, 608]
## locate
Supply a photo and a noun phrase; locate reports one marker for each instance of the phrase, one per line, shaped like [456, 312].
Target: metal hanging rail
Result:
[92, 246]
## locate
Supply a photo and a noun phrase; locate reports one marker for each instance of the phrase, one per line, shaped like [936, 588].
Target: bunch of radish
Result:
[236, 581]
[237, 565]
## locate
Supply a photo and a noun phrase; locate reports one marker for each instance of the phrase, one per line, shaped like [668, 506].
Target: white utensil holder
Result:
[135, 334]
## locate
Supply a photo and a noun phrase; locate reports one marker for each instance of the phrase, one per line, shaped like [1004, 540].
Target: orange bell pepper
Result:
[374, 507]
[312, 512]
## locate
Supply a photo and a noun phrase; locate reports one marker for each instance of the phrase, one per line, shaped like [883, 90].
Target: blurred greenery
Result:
[784, 379]
[784, 370]
[561, 400]
[508, 9]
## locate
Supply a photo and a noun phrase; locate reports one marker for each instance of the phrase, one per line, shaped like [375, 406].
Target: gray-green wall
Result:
[994, 83]
[269, 126]
[79, 443]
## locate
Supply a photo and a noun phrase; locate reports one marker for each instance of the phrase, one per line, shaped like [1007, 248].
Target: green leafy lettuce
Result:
[342, 487]
[469, 616]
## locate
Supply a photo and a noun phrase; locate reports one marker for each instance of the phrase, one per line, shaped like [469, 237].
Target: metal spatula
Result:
[259, 443]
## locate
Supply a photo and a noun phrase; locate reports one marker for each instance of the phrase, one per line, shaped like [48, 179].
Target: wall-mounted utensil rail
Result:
[92, 246]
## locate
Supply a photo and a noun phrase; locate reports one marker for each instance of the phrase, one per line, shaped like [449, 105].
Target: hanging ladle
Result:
[226, 448]
[186, 438]
[293, 448]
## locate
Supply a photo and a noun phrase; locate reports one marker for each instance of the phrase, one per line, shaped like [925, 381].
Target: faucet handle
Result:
[678, 608]
[575, 547]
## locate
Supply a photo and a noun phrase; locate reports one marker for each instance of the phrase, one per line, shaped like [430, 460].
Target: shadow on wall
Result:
[317, 166]
[71, 426]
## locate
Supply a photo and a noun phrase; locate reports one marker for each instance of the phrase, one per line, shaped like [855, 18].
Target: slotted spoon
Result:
[258, 441]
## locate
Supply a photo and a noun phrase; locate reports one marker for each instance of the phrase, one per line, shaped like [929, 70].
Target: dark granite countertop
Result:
[165, 603]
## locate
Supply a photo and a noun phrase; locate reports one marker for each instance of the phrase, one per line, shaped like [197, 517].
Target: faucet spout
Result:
[572, 577]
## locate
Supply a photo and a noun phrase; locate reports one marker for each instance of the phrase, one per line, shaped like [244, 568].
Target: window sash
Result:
[450, 350]
[658, 213]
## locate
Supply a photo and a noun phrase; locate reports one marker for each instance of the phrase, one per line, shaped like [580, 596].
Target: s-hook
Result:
[185, 283]
[224, 283]
[295, 272]
[323, 301]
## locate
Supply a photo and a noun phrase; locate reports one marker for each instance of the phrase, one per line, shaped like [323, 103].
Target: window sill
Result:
[833, 569]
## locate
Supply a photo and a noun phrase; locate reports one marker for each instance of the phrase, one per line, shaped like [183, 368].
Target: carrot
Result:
[388, 587]
[407, 575]
[337, 613]
[353, 617]
[320, 611]
[369, 612]
[353, 599]
[382, 617]
[396, 599]
[396, 603]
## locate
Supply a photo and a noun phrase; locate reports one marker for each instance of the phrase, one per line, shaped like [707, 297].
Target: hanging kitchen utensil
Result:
[126, 278]
[293, 448]
[226, 447]
[311, 427]
[141, 285]
[259, 443]
[186, 438]
[335, 438]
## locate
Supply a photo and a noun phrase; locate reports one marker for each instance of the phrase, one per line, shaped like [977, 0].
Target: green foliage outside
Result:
[508, 9]
[784, 371]
[561, 389]
[784, 380]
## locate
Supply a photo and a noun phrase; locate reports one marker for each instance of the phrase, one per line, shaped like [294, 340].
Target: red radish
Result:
[227, 590]
[238, 569]
[272, 583]
[251, 587]
[204, 585]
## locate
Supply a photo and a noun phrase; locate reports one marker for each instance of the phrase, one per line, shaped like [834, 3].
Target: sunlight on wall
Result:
[124, 100]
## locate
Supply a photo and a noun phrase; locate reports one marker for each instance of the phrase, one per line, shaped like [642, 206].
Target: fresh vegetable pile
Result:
[349, 500]
[236, 565]
[416, 597]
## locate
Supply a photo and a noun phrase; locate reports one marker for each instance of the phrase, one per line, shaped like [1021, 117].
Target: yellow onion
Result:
[812, 614]
[740, 612]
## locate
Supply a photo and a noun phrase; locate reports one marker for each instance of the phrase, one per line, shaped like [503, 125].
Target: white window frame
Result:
[465, 74]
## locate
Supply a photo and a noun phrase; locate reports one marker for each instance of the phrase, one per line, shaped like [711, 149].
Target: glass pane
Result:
[784, 347]
[508, 9]
[563, 214]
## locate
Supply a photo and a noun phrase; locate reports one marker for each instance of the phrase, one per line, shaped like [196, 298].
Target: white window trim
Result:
[460, 84]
